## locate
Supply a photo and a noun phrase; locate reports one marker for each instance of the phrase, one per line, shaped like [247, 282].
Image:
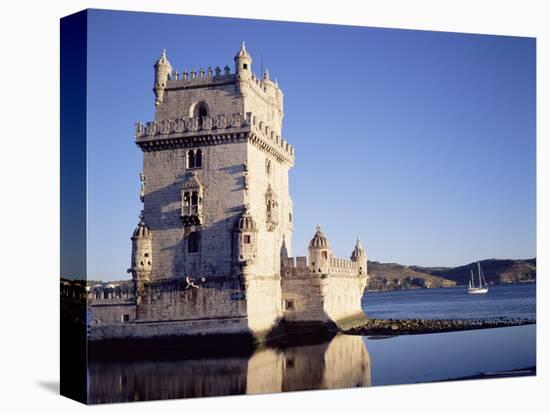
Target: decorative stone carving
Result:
[207, 122]
[165, 127]
[193, 124]
[190, 284]
[192, 201]
[142, 187]
[139, 129]
[236, 120]
[151, 128]
[179, 125]
[220, 121]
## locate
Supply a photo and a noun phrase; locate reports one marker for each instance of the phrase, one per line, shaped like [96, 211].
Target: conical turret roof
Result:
[319, 239]
[358, 251]
[163, 60]
[243, 53]
[246, 221]
[141, 231]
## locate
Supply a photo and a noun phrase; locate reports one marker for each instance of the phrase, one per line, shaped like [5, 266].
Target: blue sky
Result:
[421, 143]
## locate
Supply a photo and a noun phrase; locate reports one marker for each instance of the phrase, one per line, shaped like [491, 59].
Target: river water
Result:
[342, 361]
[506, 301]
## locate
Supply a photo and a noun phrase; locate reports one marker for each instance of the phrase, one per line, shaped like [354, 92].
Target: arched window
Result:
[198, 159]
[193, 242]
[194, 203]
[191, 159]
[200, 110]
[194, 159]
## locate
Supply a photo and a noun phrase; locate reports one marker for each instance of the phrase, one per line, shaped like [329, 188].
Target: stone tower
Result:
[142, 257]
[359, 256]
[319, 253]
[216, 199]
[162, 72]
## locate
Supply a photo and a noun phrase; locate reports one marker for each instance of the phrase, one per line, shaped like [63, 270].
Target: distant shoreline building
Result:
[211, 253]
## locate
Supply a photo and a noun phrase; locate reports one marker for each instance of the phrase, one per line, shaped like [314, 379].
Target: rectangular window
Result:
[246, 239]
[289, 363]
[289, 304]
[125, 318]
[193, 242]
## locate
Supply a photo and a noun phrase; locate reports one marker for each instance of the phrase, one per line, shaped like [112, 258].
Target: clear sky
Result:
[421, 143]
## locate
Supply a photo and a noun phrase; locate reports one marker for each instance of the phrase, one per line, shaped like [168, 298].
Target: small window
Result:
[125, 318]
[289, 363]
[268, 166]
[245, 66]
[290, 217]
[146, 254]
[289, 304]
[198, 159]
[246, 239]
[191, 159]
[194, 159]
[324, 254]
[193, 242]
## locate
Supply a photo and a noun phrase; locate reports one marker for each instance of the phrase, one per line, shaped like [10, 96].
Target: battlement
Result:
[221, 124]
[338, 267]
[199, 78]
[212, 77]
[110, 294]
[343, 267]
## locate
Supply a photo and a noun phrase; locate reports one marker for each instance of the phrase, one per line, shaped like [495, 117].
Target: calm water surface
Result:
[342, 361]
[507, 301]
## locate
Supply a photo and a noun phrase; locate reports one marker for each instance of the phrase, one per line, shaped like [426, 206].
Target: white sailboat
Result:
[482, 288]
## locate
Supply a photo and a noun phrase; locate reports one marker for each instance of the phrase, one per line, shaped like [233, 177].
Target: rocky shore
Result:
[423, 326]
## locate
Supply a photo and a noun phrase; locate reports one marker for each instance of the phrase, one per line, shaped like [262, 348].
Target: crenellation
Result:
[181, 126]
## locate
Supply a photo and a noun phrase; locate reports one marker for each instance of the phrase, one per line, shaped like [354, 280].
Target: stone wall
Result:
[219, 93]
[221, 176]
[176, 300]
[309, 296]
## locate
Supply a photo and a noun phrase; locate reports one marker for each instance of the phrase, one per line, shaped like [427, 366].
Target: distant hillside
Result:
[495, 270]
[389, 276]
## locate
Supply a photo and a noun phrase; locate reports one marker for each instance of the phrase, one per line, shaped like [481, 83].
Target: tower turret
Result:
[142, 248]
[162, 71]
[359, 256]
[284, 251]
[245, 238]
[243, 69]
[319, 252]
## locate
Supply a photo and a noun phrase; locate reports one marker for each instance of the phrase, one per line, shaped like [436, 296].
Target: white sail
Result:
[472, 288]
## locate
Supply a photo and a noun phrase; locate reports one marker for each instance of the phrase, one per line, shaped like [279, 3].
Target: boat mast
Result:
[479, 273]
[483, 278]
[471, 281]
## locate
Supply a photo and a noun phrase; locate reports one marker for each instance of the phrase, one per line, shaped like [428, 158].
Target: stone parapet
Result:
[212, 130]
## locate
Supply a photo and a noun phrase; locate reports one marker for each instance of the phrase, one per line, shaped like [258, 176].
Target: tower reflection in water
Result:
[339, 362]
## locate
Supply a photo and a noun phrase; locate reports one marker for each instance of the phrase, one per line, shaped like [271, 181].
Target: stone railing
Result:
[338, 267]
[110, 295]
[200, 74]
[263, 129]
[73, 290]
[194, 124]
[343, 267]
[265, 136]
